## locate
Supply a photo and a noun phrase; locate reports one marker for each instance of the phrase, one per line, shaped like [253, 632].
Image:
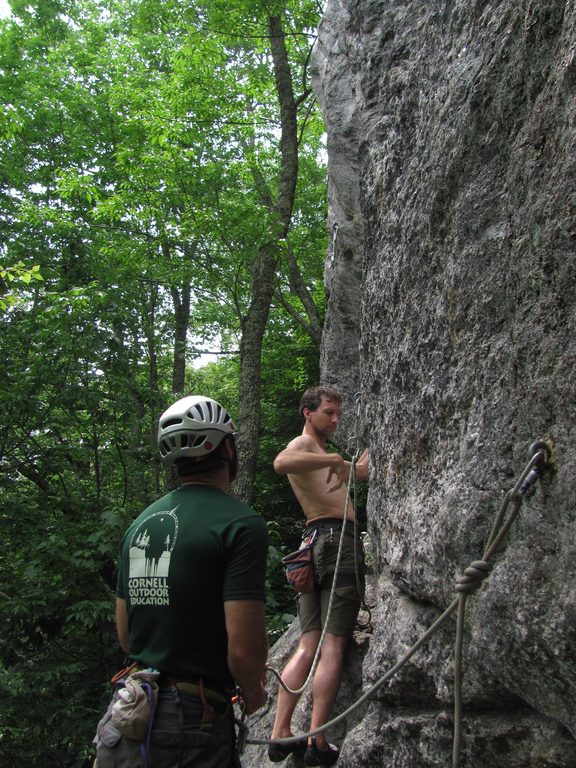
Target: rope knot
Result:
[472, 577]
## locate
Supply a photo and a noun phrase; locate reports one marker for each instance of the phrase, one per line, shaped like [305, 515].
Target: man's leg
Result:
[294, 675]
[186, 734]
[327, 683]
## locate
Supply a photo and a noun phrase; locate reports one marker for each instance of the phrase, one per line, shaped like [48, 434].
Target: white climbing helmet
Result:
[192, 428]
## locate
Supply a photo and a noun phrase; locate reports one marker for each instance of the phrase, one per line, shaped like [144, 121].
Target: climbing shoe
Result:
[279, 752]
[315, 756]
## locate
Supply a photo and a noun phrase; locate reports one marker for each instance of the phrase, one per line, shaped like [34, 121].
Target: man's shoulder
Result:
[239, 513]
[245, 528]
[163, 503]
[304, 442]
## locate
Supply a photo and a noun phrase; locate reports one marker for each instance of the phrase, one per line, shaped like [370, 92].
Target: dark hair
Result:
[213, 461]
[312, 398]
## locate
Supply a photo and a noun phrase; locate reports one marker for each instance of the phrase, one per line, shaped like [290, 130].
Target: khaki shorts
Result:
[313, 607]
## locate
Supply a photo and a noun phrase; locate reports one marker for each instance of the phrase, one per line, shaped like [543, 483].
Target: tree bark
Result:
[311, 321]
[253, 329]
[181, 297]
[264, 270]
[181, 301]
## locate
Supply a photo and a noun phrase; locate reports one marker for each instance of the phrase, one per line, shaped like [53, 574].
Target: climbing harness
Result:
[542, 459]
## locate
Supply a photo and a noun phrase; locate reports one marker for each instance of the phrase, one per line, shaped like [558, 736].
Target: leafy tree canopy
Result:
[145, 158]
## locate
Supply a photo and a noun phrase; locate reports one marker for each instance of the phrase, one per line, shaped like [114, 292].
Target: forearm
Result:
[248, 665]
[247, 649]
[301, 462]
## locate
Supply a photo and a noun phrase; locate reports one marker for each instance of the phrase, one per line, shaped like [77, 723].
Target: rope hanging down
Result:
[471, 579]
[540, 461]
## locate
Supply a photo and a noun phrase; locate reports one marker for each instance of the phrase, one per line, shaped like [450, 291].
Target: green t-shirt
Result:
[181, 559]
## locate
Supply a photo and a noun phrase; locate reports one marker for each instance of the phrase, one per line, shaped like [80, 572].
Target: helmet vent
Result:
[190, 440]
[165, 447]
[171, 423]
[209, 413]
[197, 413]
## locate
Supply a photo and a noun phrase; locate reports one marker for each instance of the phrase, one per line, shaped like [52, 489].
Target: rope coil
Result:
[473, 577]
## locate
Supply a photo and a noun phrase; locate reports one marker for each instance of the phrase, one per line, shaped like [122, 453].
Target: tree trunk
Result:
[181, 300]
[253, 329]
[254, 324]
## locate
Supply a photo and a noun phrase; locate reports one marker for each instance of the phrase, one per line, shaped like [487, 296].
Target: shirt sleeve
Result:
[247, 548]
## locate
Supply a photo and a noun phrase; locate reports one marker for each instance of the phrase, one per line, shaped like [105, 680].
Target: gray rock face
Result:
[334, 69]
[452, 160]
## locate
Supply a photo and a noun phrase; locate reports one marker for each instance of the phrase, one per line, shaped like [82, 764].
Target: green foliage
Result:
[10, 277]
[57, 643]
[138, 150]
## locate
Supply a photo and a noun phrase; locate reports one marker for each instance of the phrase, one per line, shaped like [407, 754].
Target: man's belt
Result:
[198, 691]
[331, 524]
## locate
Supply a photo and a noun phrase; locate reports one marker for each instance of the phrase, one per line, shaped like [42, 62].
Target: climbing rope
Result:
[354, 445]
[474, 575]
[354, 449]
[541, 460]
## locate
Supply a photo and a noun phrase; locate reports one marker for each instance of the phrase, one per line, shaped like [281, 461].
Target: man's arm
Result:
[247, 649]
[122, 624]
[301, 456]
[292, 461]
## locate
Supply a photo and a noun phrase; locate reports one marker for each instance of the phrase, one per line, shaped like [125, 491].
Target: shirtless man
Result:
[319, 480]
